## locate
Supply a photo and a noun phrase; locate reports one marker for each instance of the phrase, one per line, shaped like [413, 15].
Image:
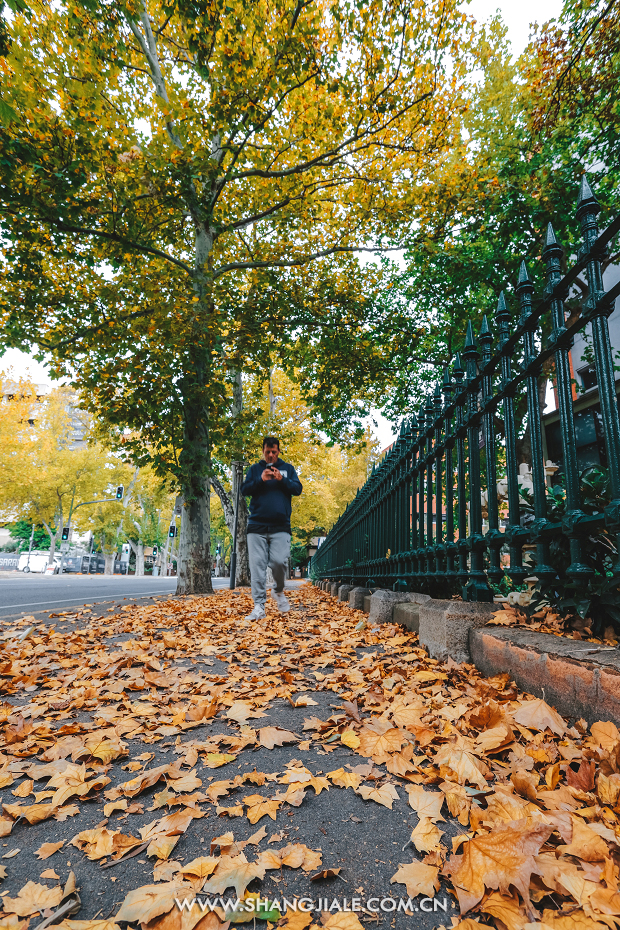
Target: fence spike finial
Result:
[457, 366]
[586, 194]
[470, 342]
[524, 277]
[485, 338]
[437, 399]
[551, 238]
[552, 250]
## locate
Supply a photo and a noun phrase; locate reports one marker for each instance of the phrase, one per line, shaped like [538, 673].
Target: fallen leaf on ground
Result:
[538, 715]
[32, 898]
[418, 879]
[235, 873]
[385, 795]
[48, 849]
[501, 858]
[275, 736]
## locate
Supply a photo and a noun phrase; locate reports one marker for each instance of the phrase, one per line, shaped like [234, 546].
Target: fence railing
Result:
[419, 517]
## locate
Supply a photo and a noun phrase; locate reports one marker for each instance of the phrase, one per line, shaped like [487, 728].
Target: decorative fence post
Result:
[451, 550]
[574, 518]
[477, 588]
[494, 538]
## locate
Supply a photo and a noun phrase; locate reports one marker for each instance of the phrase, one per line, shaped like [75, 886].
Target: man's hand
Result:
[276, 474]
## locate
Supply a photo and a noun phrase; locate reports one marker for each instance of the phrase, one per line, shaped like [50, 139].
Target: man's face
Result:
[270, 454]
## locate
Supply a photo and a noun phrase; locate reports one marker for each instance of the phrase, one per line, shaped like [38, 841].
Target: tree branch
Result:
[239, 224]
[229, 513]
[114, 237]
[233, 266]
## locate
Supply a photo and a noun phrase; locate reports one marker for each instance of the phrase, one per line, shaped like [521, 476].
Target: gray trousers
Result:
[267, 549]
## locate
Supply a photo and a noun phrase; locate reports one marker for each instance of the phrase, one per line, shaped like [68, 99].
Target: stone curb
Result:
[444, 627]
[580, 679]
[357, 596]
[577, 678]
[382, 604]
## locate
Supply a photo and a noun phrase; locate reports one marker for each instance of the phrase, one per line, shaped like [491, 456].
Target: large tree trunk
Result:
[194, 560]
[52, 537]
[108, 555]
[140, 559]
[243, 561]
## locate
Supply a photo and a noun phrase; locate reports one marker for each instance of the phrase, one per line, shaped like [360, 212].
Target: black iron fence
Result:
[419, 517]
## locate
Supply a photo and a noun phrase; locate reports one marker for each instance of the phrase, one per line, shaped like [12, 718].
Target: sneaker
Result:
[257, 614]
[281, 601]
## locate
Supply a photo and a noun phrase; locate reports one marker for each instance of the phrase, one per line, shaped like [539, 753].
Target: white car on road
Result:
[37, 562]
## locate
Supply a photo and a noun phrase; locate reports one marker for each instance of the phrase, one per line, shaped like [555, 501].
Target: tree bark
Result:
[243, 560]
[194, 560]
[53, 536]
[108, 555]
[138, 551]
[194, 557]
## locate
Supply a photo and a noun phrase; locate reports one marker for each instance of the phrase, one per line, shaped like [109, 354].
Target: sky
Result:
[517, 15]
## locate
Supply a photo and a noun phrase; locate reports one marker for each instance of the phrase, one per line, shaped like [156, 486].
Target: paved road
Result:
[30, 594]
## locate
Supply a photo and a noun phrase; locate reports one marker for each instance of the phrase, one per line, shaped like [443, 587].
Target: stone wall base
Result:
[444, 627]
[382, 604]
[356, 597]
[408, 615]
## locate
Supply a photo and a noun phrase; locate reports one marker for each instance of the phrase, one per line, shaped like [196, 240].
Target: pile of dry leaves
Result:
[549, 620]
[536, 801]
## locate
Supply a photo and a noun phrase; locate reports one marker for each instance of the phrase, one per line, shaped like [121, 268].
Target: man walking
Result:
[270, 483]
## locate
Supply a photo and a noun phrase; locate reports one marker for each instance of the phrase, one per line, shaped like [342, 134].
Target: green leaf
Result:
[7, 113]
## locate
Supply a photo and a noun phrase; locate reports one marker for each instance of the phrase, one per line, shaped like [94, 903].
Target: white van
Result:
[37, 563]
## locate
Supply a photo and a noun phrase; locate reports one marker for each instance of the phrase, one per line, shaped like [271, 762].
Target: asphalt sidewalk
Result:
[165, 750]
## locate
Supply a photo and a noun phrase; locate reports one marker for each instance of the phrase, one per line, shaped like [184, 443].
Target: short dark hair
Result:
[270, 442]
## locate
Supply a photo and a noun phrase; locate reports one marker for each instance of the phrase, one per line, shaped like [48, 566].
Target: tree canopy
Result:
[533, 125]
[169, 156]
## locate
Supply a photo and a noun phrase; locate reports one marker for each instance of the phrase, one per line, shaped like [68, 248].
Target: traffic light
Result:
[155, 551]
[172, 532]
[120, 491]
[218, 549]
[65, 533]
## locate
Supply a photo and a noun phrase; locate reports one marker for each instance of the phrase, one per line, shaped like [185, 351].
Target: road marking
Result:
[67, 599]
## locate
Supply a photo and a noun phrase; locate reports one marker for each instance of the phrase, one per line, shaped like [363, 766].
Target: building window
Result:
[588, 377]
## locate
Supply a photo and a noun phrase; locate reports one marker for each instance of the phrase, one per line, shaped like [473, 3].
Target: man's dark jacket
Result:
[270, 509]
